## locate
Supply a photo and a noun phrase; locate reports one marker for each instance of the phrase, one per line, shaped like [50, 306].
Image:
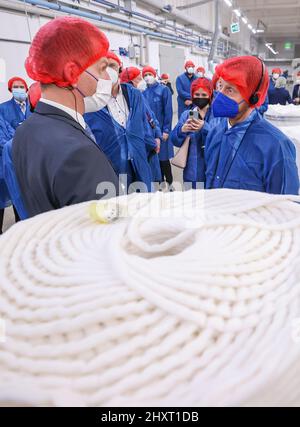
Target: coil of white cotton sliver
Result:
[192, 300]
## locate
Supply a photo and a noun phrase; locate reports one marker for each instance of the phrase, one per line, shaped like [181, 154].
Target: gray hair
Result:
[281, 82]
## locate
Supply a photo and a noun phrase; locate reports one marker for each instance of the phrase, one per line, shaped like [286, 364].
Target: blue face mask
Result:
[225, 107]
[19, 94]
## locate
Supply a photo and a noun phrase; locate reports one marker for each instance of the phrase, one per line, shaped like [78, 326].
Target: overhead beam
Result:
[192, 5]
[258, 4]
[254, 7]
[274, 19]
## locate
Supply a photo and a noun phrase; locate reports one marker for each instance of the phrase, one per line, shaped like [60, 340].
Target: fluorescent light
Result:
[269, 46]
[238, 13]
[260, 31]
[250, 27]
[228, 2]
[254, 31]
[245, 20]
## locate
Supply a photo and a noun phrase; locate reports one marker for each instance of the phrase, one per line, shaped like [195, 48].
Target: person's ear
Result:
[71, 72]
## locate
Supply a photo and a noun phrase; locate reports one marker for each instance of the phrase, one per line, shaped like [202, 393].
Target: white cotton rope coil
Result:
[195, 303]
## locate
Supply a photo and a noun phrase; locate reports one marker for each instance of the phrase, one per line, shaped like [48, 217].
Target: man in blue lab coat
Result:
[183, 86]
[120, 130]
[247, 152]
[159, 99]
[17, 109]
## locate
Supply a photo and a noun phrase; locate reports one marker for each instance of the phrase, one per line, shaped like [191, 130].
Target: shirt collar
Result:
[75, 115]
[119, 93]
[244, 123]
[21, 103]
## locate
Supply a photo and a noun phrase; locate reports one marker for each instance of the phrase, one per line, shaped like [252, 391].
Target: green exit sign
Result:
[288, 46]
[235, 28]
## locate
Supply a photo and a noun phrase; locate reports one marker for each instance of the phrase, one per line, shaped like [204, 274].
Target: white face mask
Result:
[276, 76]
[113, 75]
[142, 85]
[191, 70]
[298, 82]
[100, 98]
[200, 75]
[150, 80]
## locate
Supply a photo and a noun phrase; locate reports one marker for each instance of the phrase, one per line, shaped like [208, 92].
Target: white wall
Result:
[19, 30]
[13, 53]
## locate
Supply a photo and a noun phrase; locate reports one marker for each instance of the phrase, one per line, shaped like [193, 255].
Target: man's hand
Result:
[157, 149]
[188, 102]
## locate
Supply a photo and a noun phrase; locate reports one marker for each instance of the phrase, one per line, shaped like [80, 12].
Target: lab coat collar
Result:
[242, 125]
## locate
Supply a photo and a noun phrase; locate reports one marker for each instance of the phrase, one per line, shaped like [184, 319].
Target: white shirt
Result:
[75, 115]
[118, 108]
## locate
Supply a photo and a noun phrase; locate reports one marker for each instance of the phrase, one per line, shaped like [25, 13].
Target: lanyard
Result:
[232, 158]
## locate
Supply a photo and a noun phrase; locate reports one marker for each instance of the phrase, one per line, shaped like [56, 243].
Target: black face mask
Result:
[201, 102]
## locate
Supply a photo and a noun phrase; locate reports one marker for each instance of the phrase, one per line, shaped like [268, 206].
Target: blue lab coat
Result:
[153, 132]
[279, 96]
[11, 112]
[57, 163]
[183, 86]
[12, 182]
[125, 147]
[159, 99]
[6, 133]
[272, 84]
[296, 92]
[195, 168]
[253, 155]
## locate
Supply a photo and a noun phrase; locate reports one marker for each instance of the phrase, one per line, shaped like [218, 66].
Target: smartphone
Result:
[194, 114]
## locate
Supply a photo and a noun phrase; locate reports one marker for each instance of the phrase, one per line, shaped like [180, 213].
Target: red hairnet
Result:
[201, 70]
[245, 73]
[34, 94]
[129, 74]
[148, 70]
[15, 79]
[63, 41]
[112, 55]
[277, 71]
[189, 64]
[165, 76]
[204, 84]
